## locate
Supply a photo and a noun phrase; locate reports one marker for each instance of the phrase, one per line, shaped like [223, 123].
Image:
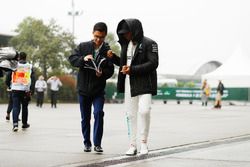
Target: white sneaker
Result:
[144, 149]
[131, 151]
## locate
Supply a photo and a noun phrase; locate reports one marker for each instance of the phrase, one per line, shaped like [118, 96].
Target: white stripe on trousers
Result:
[141, 104]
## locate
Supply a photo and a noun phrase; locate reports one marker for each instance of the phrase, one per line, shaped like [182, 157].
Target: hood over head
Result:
[130, 25]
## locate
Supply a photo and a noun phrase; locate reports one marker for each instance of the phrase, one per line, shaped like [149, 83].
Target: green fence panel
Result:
[111, 92]
[173, 93]
[195, 94]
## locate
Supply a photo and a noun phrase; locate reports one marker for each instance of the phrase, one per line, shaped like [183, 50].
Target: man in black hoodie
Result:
[94, 69]
[137, 78]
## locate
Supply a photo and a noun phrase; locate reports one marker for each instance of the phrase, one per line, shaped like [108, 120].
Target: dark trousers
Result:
[20, 99]
[10, 103]
[53, 98]
[39, 99]
[85, 108]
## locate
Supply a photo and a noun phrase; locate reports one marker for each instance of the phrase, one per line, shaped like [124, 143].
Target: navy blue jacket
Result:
[88, 84]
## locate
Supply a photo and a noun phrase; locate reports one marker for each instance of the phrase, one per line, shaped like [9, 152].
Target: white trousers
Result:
[139, 104]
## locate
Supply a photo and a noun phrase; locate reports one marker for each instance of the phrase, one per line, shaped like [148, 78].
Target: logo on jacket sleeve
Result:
[154, 48]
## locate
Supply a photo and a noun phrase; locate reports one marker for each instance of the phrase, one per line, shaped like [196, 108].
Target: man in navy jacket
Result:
[91, 83]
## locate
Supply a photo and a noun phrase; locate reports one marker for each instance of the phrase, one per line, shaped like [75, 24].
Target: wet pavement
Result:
[180, 136]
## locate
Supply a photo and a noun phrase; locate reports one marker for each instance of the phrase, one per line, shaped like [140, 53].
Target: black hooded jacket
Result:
[88, 84]
[143, 75]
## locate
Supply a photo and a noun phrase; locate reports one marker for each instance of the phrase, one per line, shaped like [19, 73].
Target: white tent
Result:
[234, 73]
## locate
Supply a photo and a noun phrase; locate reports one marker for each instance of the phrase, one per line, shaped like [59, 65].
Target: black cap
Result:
[124, 28]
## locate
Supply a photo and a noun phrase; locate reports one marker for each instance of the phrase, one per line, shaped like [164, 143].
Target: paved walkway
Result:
[180, 136]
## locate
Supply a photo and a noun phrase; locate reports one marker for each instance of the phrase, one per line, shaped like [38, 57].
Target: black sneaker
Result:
[25, 126]
[87, 148]
[15, 128]
[98, 149]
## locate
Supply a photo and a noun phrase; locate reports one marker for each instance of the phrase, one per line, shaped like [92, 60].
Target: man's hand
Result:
[88, 57]
[98, 73]
[109, 53]
[125, 69]
[28, 96]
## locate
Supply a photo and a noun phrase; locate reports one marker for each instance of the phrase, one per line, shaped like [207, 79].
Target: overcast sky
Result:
[188, 32]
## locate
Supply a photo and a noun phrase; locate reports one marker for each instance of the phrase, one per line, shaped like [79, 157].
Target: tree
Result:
[110, 38]
[190, 84]
[47, 46]
[114, 45]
